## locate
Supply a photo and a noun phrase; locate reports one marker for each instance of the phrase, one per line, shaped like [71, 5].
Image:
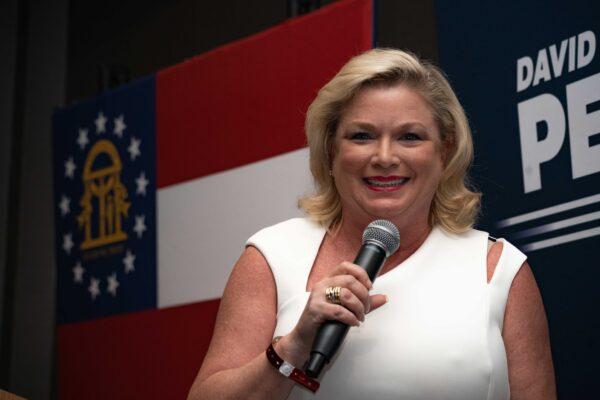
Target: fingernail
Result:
[386, 298]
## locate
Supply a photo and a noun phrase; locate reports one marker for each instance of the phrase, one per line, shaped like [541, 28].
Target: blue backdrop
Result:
[528, 75]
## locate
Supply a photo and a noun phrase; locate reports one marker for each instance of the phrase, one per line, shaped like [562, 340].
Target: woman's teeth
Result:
[396, 182]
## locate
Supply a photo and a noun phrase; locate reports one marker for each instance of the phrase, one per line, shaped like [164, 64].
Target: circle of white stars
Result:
[64, 205]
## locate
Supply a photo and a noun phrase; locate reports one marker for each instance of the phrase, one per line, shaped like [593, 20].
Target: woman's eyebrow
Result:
[368, 125]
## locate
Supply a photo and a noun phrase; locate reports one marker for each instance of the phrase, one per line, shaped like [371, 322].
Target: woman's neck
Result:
[346, 238]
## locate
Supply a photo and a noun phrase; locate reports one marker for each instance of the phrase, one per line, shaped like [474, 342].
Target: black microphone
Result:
[380, 240]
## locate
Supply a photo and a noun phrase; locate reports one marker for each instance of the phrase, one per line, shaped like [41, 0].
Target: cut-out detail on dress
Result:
[490, 270]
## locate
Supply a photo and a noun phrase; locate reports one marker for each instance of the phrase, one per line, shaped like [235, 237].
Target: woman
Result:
[451, 315]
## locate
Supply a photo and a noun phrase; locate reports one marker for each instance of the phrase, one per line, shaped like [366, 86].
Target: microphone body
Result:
[332, 333]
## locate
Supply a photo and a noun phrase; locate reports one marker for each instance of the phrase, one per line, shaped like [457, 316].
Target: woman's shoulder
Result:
[478, 237]
[287, 230]
[468, 235]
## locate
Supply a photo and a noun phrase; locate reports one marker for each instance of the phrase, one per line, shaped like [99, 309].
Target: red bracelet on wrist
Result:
[288, 370]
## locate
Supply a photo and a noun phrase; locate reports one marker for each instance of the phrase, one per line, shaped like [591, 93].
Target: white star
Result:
[134, 148]
[141, 183]
[128, 261]
[64, 205]
[113, 284]
[78, 271]
[70, 168]
[100, 122]
[94, 288]
[67, 243]
[140, 225]
[119, 126]
[83, 140]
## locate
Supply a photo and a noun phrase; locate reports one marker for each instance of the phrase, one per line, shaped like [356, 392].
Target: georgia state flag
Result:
[105, 180]
[159, 183]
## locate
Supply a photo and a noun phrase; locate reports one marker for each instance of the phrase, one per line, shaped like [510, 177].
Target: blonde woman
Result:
[452, 315]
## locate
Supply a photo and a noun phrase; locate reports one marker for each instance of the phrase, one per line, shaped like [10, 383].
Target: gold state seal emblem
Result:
[104, 199]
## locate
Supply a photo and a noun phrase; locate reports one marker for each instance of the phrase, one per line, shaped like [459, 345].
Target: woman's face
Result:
[387, 156]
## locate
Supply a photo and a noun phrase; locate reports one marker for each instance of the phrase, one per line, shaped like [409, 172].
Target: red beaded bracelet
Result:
[288, 370]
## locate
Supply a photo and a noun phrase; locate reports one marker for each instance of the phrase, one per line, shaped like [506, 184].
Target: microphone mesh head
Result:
[383, 232]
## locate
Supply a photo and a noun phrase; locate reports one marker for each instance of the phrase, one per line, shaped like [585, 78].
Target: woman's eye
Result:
[410, 136]
[360, 136]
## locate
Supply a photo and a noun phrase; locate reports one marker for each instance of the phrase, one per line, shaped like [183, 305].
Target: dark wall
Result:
[408, 25]
[145, 38]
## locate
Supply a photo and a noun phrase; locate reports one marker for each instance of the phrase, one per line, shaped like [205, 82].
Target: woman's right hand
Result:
[354, 298]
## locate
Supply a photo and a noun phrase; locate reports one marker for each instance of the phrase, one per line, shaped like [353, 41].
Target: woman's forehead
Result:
[397, 104]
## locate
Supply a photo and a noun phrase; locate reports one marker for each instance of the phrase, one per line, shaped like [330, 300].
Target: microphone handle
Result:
[332, 333]
[371, 258]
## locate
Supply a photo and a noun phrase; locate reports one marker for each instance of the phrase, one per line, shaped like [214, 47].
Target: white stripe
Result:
[571, 237]
[556, 225]
[203, 224]
[548, 211]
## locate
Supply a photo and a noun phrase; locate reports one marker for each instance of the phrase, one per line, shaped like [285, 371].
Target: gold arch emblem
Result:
[104, 199]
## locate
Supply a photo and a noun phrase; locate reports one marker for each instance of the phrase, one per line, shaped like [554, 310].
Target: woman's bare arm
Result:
[525, 334]
[235, 366]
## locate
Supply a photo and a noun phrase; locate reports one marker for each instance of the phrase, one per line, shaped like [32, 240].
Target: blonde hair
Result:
[455, 206]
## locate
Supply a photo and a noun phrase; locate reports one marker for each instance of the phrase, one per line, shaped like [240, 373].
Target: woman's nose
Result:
[385, 156]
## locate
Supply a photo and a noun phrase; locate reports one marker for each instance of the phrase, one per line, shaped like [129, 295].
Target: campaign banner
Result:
[159, 183]
[528, 75]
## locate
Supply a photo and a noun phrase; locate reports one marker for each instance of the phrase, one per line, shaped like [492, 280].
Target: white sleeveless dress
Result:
[438, 337]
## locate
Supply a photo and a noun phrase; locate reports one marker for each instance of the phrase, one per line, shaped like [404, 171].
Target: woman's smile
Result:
[385, 183]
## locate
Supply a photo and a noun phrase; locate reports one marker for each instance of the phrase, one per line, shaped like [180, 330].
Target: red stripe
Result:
[246, 101]
[147, 355]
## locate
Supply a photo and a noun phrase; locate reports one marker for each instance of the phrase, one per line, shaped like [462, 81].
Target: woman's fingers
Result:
[351, 310]
[349, 300]
[354, 295]
[376, 301]
[340, 313]
[347, 268]
[354, 300]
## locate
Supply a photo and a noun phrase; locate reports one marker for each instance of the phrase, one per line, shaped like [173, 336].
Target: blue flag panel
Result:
[105, 204]
[528, 74]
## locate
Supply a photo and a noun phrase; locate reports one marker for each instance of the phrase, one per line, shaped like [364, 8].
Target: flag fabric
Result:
[159, 183]
[106, 208]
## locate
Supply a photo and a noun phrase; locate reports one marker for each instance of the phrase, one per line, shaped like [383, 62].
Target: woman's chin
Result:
[386, 211]
[399, 214]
